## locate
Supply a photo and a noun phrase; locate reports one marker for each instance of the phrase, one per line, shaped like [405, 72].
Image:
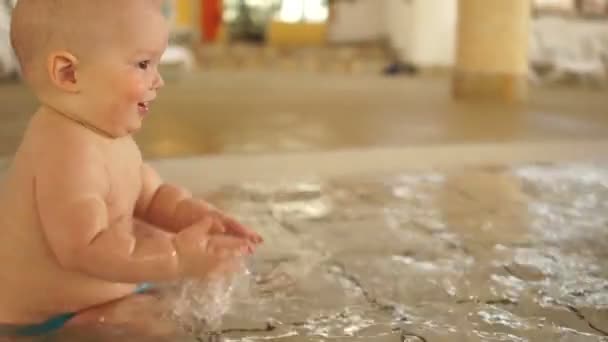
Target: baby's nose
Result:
[158, 81]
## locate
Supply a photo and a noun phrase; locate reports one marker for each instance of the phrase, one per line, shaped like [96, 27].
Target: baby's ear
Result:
[61, 66]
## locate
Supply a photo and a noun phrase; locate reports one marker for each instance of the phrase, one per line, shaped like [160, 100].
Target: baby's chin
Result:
[120, 132]
[133, 126]
[133, 129]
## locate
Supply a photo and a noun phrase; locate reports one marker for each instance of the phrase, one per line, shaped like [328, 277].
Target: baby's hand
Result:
[233, 227]
[199, 209]
[203, 250]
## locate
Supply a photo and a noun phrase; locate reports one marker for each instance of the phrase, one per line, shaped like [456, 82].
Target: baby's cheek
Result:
[136, 89]
[137, 93]
[132, 88]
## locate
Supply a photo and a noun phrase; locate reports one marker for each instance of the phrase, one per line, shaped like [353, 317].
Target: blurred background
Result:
[265, 76]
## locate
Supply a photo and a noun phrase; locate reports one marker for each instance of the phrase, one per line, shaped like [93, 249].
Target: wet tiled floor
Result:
[475, 254]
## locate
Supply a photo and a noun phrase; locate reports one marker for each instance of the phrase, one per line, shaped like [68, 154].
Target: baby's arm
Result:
[173, 208]
[70, 189]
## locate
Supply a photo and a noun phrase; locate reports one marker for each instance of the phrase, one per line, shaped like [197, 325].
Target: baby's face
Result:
[120, 83]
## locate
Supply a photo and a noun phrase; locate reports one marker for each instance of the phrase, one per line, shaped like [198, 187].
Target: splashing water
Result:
[198, 306]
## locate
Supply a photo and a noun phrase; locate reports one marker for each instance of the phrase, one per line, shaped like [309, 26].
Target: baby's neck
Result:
[78, 121]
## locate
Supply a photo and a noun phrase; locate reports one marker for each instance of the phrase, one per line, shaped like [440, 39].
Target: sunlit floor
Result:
[254, 112]
[390, 212]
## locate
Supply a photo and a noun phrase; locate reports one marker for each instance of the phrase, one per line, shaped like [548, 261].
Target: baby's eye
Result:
[143, 65]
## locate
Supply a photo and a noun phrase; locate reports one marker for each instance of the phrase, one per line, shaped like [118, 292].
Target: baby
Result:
[84, 220]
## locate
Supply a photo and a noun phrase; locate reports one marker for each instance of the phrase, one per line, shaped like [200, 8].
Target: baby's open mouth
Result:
[143, 107]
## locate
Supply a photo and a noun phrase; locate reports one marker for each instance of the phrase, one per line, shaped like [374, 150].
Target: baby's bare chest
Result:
[125, 180]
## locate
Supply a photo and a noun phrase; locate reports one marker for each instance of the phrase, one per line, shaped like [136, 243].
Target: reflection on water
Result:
[491, 254]
[478, 254]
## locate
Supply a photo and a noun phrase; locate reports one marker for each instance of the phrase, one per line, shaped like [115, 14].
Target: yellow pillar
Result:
[492, 50]
[184, 14]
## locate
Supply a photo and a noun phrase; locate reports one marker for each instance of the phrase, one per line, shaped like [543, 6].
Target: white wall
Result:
[357, 20]
[433, 33]
[422, 31]
[398, 25]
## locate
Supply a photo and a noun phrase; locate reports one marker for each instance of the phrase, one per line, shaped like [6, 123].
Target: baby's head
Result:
[92, 60]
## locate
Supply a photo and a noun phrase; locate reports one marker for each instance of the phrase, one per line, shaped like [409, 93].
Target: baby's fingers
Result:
[234, 227]
[198, 230]
[226, 246]
[217, 226]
